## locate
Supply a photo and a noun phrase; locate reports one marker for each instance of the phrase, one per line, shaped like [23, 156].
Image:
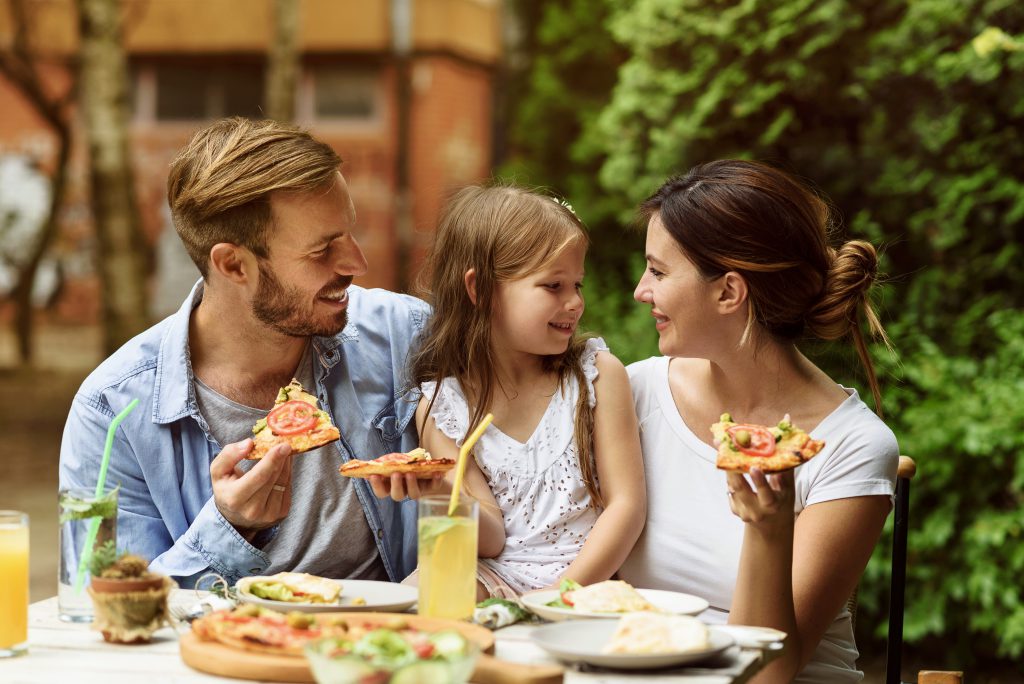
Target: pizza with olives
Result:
[742, 446]
[297, 420]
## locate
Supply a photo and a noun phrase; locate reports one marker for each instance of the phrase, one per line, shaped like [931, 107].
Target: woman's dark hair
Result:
[751, 218]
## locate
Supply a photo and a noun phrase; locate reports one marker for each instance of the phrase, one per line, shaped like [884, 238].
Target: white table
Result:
[63, 653]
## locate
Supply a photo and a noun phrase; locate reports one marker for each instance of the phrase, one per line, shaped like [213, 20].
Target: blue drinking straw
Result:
[94, 522]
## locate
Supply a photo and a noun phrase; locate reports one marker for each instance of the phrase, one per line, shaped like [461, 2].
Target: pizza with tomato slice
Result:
[419, 462]
[742, 446]
[296, 419]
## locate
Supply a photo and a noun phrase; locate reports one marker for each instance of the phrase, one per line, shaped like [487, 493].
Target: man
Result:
[266, 215]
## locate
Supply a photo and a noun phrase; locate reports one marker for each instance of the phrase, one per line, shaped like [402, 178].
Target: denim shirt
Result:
[162, 450]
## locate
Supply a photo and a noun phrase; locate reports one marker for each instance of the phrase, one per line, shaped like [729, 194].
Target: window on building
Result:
[345, 92]
[198, 91]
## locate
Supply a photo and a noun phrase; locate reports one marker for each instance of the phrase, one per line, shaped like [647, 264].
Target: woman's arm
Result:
[491, 538]
[797, 580]
[620, 472]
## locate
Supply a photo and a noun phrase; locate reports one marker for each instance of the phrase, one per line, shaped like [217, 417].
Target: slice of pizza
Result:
[742, 446]
[419, 462]
[296, 419]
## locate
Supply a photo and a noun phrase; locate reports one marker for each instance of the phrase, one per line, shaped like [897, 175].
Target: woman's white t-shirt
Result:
[692, 540]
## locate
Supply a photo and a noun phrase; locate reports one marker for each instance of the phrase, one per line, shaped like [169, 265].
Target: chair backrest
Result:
[894, 644]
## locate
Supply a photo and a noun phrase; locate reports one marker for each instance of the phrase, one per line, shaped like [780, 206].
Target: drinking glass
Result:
[447, 558]
[77, 509]
[13, 583]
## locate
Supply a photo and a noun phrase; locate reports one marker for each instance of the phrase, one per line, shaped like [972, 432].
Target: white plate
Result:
[748, 636]
[384, 597]
[667, 601]
[582, 641]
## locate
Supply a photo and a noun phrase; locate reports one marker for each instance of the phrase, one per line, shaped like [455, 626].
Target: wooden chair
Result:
[894, 645]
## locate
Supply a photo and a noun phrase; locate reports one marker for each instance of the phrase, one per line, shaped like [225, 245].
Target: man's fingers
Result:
[224, 463]
[256, 484]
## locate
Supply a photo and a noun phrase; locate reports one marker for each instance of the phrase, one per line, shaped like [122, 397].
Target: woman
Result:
[739, 269]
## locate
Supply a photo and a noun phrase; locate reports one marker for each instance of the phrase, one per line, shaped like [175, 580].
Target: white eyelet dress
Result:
[538, 485]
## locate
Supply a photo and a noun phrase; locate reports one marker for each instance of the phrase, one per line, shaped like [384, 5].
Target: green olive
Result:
[742, 438]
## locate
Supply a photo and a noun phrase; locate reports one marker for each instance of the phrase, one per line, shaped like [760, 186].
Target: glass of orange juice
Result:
[447, 558]
[13, 583]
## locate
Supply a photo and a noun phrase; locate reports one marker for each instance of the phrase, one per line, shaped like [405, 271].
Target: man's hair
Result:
[220, 183]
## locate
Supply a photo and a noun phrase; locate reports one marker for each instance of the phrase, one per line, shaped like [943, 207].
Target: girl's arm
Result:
[620, 472]
[797, 577]
[491, 538]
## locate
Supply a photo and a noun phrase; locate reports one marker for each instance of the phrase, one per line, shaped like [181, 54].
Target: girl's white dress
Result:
[538, 484]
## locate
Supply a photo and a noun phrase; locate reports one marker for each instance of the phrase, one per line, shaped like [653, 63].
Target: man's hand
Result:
[256, 499]
[402, 485]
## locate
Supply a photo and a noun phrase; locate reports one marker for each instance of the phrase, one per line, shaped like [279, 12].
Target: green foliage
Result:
[103, 557]
[908, 116]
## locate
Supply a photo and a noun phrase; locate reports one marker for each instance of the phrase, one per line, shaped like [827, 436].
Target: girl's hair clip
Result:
[564, 204]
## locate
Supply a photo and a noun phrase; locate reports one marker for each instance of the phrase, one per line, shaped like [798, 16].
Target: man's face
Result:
[302, 288]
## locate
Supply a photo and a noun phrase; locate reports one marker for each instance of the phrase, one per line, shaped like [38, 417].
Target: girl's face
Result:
[682, 302]
[538, 313]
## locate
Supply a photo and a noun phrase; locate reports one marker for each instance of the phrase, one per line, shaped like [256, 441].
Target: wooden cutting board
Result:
[218, 659]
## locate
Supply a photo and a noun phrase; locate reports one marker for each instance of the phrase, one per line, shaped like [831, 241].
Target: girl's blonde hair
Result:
[503, 233]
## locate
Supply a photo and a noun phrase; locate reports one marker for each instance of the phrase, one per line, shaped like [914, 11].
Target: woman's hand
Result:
[768, 505]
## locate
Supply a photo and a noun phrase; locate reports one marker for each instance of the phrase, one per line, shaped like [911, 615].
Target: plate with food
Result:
[637, 641]
[298, 591]
[609, 599]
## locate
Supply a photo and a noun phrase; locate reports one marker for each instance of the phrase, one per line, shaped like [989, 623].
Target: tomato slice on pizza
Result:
[419, 462]
[742, 446]
[297, 420]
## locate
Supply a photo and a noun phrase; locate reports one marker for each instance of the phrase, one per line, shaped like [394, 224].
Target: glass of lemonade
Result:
[447, 558]
[77, 509]
[13, 583]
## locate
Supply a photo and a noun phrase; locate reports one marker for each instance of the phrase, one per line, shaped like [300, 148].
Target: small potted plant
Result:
[130, 601]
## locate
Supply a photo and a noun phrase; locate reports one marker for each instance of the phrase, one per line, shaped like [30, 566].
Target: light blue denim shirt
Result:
[162, 450]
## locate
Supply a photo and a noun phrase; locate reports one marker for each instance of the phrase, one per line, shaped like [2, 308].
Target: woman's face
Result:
[682, 302]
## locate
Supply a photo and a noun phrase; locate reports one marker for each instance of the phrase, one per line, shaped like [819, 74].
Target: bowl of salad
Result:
[393, 656]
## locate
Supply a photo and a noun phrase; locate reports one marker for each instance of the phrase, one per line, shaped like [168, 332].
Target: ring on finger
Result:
[279, 488]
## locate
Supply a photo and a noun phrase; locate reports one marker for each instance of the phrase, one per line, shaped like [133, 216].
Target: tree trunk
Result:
[18, 66]
[104, 89]
[283, 66]
[22, 295]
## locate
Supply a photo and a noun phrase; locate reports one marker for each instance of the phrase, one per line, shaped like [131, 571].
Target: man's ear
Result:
[232, 262]
[732, 292]
[470, 280]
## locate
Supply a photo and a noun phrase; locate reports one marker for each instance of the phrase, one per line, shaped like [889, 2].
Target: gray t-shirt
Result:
[326, 532]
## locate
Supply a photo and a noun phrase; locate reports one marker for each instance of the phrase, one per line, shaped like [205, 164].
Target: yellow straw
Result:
[460, 469]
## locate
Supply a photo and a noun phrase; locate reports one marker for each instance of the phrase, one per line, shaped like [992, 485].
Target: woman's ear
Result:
[470, 280]
[732, 293]
[232, 262]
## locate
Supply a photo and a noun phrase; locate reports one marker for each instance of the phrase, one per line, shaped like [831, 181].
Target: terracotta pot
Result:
[106, 585]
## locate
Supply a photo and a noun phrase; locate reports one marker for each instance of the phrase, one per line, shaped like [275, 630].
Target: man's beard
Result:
[285, 311]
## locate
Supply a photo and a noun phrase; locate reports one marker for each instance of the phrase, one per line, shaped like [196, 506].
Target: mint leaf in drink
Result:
[432, 528]
[80, 509]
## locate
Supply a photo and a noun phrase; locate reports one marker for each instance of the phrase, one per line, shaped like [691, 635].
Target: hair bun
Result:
[850, 276]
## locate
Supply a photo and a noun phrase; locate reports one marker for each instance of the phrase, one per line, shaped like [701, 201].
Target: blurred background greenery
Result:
[909, 116]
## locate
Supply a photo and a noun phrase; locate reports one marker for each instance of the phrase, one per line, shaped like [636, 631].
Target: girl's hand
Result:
[400, 486]
[768, 505]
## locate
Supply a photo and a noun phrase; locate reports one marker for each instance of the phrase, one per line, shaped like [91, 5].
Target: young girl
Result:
[558, 473]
